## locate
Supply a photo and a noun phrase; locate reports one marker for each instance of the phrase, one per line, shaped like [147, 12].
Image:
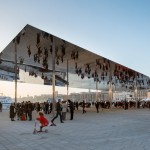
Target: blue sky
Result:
[116, 29]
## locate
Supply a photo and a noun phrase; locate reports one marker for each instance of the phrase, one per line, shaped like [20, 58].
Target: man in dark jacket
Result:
[83, 106]
[0, 107]
[71, 106]
[97, 106]
[30, 109]
[12, 112]
[58, 111]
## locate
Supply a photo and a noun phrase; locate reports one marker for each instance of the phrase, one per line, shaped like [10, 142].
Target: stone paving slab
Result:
[107, 130]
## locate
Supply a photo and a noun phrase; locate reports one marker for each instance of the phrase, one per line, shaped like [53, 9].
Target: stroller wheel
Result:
[46, 131]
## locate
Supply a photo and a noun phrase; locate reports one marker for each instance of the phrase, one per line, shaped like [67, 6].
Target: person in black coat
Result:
[12, 112]
[83, 106]
[77, 105]
[46, 108]
[97, 106]
[71, 106]
[30, 109]
[0, 107]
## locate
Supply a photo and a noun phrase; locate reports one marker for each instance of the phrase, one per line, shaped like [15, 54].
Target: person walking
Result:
[58, 111]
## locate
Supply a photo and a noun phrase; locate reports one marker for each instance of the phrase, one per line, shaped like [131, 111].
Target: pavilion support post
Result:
[115, 88]
[96, 89]
[110, 89]
[136, 94]
[67, 80]
[53, 77]
[147, 91]
[15, 46]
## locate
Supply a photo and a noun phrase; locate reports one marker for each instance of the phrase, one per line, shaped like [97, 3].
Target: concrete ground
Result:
[106, 130]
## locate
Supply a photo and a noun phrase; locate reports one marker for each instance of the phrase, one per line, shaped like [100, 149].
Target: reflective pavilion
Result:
[34, 53]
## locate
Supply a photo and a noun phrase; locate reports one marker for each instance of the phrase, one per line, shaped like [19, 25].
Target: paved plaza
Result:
[107, 130]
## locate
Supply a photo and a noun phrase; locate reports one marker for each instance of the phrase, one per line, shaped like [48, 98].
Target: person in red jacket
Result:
[43, 121]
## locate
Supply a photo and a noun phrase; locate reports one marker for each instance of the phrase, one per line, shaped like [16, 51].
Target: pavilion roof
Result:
[34, 57]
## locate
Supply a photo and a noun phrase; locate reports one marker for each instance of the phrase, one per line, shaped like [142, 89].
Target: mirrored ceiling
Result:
[34, 53]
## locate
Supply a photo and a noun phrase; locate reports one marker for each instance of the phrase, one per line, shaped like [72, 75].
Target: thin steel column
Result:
[110, 88]
[96, 89]
[110, 91]
[15, 45]
[136, 94]
[67, 80]
[53, 76]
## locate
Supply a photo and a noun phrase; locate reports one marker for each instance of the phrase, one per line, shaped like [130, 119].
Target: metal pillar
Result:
[53, 76]
[15, 45]
[110, 88]
[67, 80]
[115, 88]
[110, 92]
[136, 94]
[96, 89]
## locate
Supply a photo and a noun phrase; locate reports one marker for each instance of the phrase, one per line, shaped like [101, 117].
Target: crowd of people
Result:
[23, 110]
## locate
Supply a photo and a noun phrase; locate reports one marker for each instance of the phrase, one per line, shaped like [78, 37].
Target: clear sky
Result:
[116, 29]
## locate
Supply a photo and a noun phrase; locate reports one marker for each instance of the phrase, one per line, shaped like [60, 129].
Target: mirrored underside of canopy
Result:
[34, 61]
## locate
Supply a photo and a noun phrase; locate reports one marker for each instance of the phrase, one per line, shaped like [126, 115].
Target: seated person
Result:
[43, 121]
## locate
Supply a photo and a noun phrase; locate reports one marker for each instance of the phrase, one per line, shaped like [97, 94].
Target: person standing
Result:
[0, 107]
[83, 105]
[12, 112]
[58, 112]
[30, 109]
[77, 105]
[38, 107]
[51, 107]
[97, 106]
[71, 106]
[64, 110]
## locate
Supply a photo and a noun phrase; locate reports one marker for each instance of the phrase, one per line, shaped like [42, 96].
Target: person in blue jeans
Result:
[58, 111]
